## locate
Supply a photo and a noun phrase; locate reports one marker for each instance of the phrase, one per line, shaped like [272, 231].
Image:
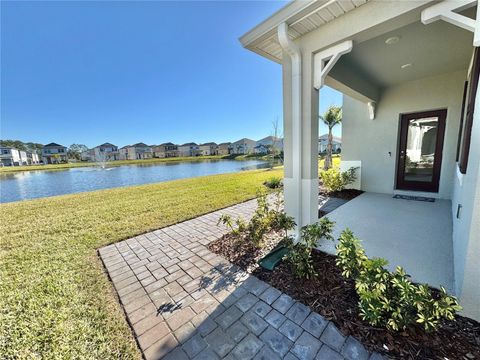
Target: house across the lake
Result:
[323, 142]
[224, 148]
[32, 158]
[165, 150]
[103, 152]
[54, 153]
[269, 144]
[13, 157]
[189, 149]
[208, 149]
[409, 72]
[243, 146]
[139, 151]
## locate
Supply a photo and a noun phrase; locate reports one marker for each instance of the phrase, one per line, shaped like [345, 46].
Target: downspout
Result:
[296, 59]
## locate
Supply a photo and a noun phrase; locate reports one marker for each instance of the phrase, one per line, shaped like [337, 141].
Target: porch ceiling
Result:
[429, 49]
[302, 17]
[413, 234]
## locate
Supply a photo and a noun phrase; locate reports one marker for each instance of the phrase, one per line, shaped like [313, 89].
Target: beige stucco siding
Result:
[372, 141]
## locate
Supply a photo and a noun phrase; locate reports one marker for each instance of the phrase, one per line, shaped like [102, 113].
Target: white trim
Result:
[446, 11]
[459, 175]
[270, 25]
[372, 106]
[295, 55]
[326, 59]
[476, 35]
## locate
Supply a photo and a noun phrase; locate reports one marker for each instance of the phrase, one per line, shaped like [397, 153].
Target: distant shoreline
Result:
[13, 169]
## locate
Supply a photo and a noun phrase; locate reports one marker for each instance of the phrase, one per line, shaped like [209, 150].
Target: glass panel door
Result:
[420, 152]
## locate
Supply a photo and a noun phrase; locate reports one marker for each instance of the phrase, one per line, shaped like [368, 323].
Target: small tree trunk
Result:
[328, 158]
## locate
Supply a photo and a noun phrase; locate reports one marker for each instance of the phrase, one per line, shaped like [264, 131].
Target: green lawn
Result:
[335, 161]
[110, 163]
[55, 300]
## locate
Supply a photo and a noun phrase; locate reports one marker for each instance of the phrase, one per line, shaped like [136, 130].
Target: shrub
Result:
[300, 254]
[236, 226]
[335, 180]
[390, 299]
[273, 183]
[267, 217]
[350, 254]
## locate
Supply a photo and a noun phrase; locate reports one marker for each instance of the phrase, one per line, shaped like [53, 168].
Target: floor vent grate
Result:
[416, 198]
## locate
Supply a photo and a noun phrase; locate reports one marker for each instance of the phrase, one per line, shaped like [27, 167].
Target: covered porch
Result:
[416, 235]
[402, 67]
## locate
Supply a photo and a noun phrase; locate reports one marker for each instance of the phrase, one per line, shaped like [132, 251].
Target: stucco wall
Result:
[372, 141]
[466, 228]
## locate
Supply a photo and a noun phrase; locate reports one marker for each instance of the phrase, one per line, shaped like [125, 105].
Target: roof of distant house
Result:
[189, 144]
[209, 144]
[167, 144]
[140, 145]
[325, 137]
[225, 143]
[243, 140]
[53, 145]
[272, 138]
[107, 144]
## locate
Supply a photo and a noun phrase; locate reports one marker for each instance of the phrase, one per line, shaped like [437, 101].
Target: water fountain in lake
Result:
[101, 160]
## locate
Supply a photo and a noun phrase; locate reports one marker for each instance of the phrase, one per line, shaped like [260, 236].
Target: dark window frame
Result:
[462, 118]
[434, 185]
[472, 94]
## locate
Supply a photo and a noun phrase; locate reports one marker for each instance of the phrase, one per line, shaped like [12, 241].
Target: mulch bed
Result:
[335, 298]
[347, 194]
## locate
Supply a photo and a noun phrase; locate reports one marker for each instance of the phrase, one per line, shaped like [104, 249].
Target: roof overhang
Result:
[301, 17]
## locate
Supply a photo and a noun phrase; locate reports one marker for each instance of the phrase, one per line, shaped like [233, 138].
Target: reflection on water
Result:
[36, 184]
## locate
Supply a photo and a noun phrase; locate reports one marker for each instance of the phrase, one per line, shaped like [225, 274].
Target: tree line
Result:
[73, 151]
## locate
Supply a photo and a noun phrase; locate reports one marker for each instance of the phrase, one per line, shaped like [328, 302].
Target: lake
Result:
[37, 184]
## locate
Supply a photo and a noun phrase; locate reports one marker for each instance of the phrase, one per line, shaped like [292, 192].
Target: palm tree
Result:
[332, 117]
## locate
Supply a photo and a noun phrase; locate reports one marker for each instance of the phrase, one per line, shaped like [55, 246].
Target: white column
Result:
[292, 96]
[300, 133]
[303, 76]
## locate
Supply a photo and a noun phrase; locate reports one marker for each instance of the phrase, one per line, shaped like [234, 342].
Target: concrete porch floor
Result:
[416, 235]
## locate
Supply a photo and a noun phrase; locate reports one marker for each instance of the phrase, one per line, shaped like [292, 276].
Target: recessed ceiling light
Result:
[404, 66]
[392, 40]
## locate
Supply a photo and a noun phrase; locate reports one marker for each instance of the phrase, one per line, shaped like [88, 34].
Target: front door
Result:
[420, 150]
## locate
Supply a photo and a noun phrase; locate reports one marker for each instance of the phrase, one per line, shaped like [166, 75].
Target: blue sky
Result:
[124, 72]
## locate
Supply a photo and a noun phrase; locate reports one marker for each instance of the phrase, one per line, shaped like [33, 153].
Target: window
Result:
[462, 116]
[470, 96]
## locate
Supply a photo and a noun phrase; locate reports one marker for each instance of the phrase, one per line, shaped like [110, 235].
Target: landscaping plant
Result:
[335, 180]
[390, 299]
[268, 216]
[300, 254]
[331, 118]
[237, 226]
[273, 183]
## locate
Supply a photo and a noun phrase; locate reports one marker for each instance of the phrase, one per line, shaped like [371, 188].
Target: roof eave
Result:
[269, 25]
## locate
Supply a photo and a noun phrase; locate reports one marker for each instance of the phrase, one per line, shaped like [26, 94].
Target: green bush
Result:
[350, 255]
[268, 216]
[300, 254]
[274, 183]
[335, 180]
[237, 226]
[390, 299]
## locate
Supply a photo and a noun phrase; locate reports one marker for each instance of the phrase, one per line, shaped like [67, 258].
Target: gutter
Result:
[293, 51]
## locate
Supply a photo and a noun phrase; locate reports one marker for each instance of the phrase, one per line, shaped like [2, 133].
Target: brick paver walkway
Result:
[185, 302]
